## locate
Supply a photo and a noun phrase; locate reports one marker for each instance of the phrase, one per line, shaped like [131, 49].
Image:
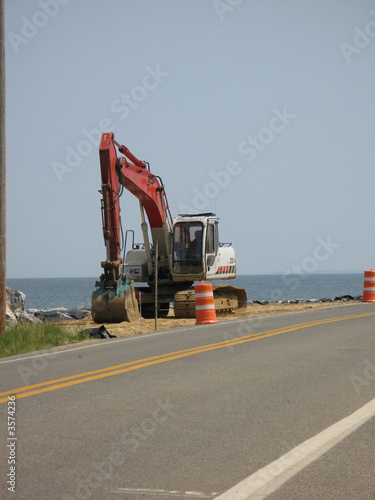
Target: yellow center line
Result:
[69, 381]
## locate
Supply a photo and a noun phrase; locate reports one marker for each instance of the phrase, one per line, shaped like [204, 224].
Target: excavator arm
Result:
[134, 176]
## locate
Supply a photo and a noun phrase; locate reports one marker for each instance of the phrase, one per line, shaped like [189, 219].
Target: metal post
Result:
[156, 283]
[3, 285]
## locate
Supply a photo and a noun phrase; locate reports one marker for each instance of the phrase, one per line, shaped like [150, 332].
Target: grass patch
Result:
[27, 338]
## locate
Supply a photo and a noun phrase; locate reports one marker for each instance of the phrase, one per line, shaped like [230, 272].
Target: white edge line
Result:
[260, 484]
[99, 343]
[104, 342]
[175, 329]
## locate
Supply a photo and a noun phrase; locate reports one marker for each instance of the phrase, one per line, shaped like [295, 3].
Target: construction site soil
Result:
[145, 326]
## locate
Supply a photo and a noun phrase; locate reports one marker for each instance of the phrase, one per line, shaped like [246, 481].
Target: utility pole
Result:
[3, 291]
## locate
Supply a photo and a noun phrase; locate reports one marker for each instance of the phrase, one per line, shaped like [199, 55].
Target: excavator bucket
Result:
[110, 305]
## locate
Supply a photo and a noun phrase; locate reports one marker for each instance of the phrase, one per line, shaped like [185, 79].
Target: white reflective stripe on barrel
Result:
[369, 279]
[372, 289]
[209, 306]
[200, 295]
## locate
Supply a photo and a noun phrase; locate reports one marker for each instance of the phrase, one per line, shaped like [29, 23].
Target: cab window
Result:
[187, 247]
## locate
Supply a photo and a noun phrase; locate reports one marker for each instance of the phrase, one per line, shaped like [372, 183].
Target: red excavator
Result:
[181, 251]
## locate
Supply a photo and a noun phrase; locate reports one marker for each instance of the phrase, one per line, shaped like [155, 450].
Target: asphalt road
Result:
[192, 412]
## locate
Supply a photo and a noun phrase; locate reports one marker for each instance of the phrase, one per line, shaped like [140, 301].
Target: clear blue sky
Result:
[262, 111]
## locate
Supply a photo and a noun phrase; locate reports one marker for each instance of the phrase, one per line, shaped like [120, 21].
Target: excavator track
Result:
[227, 299]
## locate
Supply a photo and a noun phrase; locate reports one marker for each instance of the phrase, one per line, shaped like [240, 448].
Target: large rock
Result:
[16, 300]
[11, 319]
[59, 314]
[16, 311]
[78, 313]
[24, 317]
[50, 315]
[15, 305]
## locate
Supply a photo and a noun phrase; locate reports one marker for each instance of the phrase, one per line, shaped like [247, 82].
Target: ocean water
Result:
[48, 293]
[290, 287]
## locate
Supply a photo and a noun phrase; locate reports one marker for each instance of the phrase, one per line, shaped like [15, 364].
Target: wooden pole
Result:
[3, 282]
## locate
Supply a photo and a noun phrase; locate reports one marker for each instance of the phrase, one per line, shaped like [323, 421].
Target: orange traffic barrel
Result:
[204, 304]
[369, 286]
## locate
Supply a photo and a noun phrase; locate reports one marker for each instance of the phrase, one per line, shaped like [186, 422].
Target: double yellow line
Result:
[52, 385]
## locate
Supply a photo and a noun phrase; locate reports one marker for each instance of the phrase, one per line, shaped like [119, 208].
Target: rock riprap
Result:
[16, 312]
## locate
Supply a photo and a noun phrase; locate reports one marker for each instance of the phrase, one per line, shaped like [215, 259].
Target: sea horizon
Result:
[276, 273]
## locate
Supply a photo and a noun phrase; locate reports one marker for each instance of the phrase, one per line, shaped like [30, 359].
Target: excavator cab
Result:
[195, 246]
[188, 247]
